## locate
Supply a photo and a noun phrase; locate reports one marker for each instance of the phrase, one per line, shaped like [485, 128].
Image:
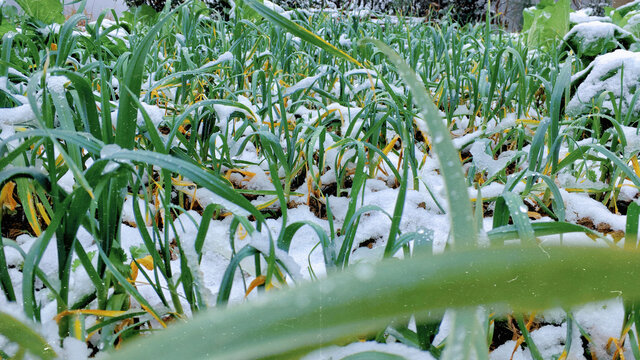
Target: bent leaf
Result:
[6, 196]
[364, 299]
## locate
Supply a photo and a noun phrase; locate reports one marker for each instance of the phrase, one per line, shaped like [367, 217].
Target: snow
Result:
[10, 88]
[632, 136]
[67, 181]
[205, 197]
[224, 112]
[50, 29]
[633, 20]
[6, 131]
[17, 115]
[550, 341]
[187, 225]
[347, 115]
[118, 32]
[628, 191]
[156, 114]
[48, 264]
[585, 15]
[15, 311]
[569, 181]
[485, 161]
[12, 257]
[367, 85]
[106, 152]
[275, 7]
[223, 58]
[465, 140]
[604, 74]
[360, 72]
[495, 189]
[629, 6]
[57, 83]
[128, 214]
[263, 243]
[74, 349]
[215, 259]
[592, 31]
[602, 321]
[344, 40]
[305, 83]
[579, 206]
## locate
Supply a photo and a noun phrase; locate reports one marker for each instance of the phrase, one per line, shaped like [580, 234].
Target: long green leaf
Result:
[365, 298]
[128, 109]
[463, 227]
[509, 232]
[631, 231]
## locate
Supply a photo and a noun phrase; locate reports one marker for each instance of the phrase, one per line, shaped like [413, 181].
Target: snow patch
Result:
[603, 75]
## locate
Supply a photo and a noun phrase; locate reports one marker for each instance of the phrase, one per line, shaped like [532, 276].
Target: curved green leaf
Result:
[365, 298]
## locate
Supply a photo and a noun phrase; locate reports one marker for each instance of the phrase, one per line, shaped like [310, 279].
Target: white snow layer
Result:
[225, 57]
[585, 15]
[302, 84]
[580, 206]
[485, 161]
[594, 30]
[604, 74]
[17, 115]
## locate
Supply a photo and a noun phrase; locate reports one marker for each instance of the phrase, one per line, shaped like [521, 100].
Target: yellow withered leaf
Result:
[31, 214]
[6, 196]
[102, 313]
[77, 328]
[255, 283]
[164, 325]
[146, 261]
[535, 215]
[43, 213]
[241, 232]
[636, 166]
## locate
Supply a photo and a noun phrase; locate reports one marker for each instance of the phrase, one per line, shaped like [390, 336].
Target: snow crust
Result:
[223, 58]
[593, 30]
[604, 74]
[17, 115]
[585, 15]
